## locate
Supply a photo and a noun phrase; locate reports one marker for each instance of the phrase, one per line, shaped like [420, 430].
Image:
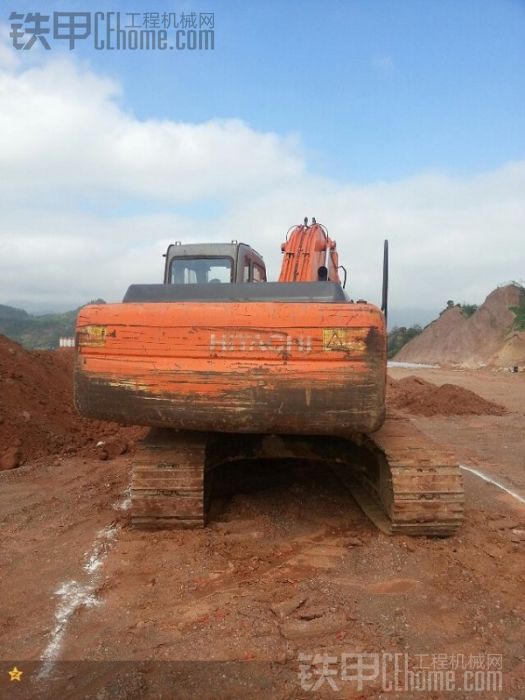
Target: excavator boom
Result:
[309, 255]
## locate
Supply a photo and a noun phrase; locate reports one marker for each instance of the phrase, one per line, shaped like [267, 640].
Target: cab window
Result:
[258, 273]
[200, 270]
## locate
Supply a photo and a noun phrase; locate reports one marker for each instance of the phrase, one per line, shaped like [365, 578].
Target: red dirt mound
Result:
[417, 396]
[37, 415]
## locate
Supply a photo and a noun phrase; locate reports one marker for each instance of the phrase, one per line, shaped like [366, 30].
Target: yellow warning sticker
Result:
[342, 339]
[92, 335]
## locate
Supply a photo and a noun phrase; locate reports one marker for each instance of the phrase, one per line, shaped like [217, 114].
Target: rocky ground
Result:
[286, 592]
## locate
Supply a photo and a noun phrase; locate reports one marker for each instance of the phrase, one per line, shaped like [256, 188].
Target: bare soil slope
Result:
[486, 337]
[37, 415]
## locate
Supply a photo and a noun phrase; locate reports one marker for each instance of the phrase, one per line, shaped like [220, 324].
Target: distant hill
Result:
[489, 335]
[42, 332]
[9, 313]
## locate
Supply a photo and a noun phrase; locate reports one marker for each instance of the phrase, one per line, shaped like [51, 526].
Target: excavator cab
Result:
[213, 263]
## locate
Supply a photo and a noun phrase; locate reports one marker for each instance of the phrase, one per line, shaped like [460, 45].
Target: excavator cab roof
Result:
[204, 263]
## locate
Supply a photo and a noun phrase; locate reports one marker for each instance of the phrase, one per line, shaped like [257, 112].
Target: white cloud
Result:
[68, 150]
[62, 126]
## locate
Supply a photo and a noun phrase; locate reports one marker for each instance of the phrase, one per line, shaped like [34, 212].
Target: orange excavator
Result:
[231, 367]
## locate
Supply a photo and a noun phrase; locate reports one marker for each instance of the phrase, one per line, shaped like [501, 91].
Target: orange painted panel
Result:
[246, 366]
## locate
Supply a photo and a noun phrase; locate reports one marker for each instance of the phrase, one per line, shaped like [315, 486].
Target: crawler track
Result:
[402, 480]
[170, 485]
[415, 487]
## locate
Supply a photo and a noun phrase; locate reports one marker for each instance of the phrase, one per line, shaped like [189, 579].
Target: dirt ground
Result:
[38, 419]
[289, 593]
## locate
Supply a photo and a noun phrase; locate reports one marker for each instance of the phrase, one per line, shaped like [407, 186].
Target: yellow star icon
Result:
[15, 674]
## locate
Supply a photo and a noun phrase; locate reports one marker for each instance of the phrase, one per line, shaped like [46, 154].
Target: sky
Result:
[389, 119]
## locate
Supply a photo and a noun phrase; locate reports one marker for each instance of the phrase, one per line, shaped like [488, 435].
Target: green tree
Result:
[519, 316]
[400, 336]
[468, 309]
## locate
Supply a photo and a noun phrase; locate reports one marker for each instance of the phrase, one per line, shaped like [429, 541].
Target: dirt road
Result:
[283, 596]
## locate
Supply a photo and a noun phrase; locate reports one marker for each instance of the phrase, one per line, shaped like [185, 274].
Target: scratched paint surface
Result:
[236, 366]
